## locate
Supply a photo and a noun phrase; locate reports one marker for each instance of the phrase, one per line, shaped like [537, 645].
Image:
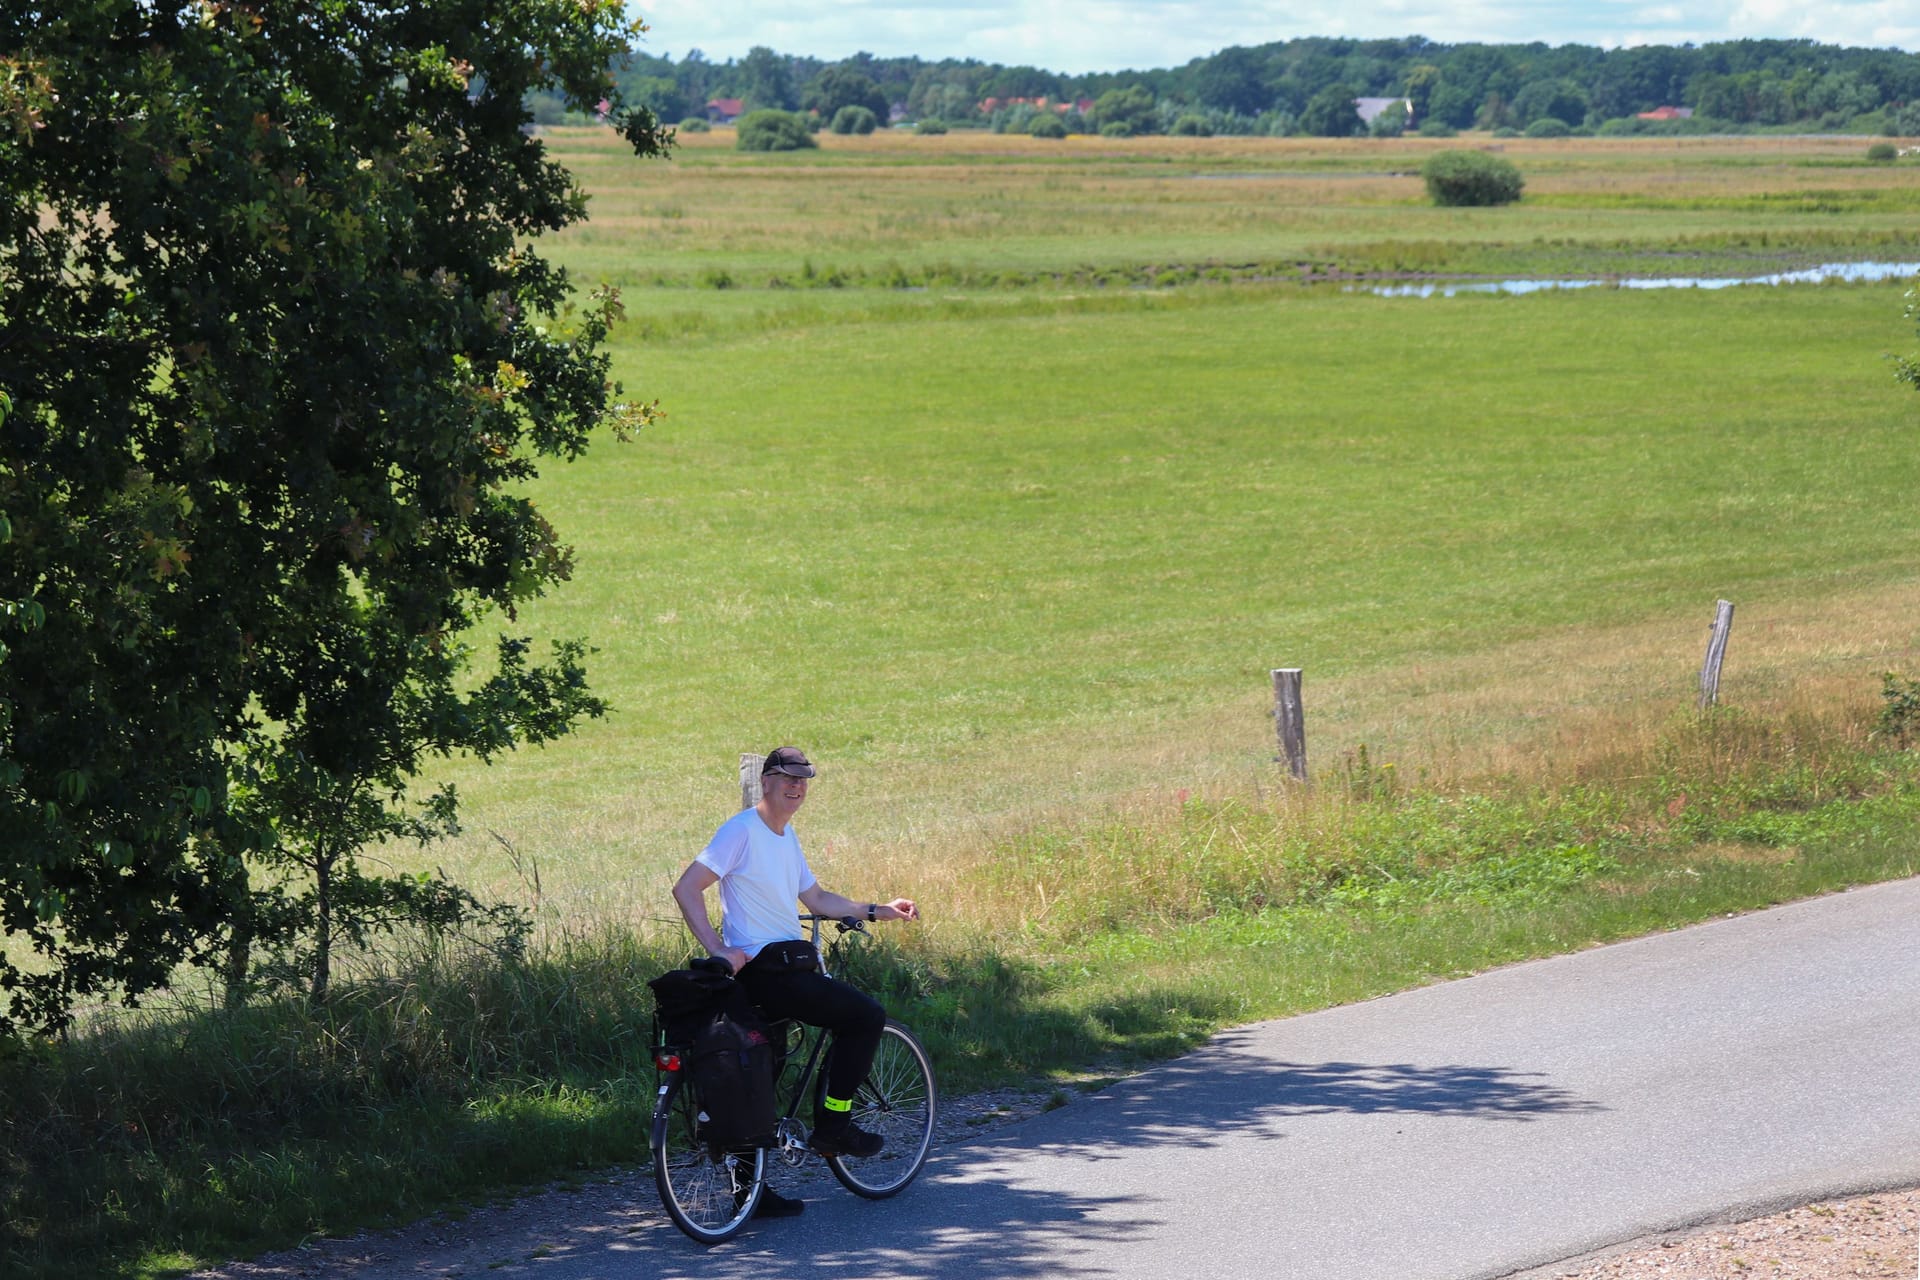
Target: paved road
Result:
[1475, 1129]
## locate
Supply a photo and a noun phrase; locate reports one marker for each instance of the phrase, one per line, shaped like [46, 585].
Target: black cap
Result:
[787, 760]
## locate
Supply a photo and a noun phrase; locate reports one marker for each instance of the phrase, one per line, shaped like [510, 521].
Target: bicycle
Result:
[711, 1194]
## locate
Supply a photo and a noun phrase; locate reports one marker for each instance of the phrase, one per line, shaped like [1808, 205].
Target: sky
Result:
[1116, 35]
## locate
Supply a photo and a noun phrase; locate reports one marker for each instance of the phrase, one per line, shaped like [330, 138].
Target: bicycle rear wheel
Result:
[897, 1102]
[697, 1183]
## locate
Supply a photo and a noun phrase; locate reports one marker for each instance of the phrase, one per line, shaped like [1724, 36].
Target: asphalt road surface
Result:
[1475, 1129]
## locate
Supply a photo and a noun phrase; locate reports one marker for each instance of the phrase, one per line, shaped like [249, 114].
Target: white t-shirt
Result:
[762, 874]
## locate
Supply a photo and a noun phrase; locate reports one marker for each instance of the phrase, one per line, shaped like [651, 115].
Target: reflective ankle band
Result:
[837, 1104]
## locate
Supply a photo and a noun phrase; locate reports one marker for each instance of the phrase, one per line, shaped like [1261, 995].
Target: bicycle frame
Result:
[791, 1134]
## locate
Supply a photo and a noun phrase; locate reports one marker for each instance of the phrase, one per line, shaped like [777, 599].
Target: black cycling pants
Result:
[809, 996]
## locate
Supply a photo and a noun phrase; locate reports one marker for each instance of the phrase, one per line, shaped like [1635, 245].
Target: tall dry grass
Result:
[1166, 824]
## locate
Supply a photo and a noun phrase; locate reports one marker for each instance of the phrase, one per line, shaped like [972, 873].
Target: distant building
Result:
[1371, 107]
[724, 110]
[1666, 113]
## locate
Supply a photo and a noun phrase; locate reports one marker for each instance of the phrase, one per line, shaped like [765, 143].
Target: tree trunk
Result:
[322, 927]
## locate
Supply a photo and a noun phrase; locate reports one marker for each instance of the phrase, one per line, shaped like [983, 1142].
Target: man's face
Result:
[784, 788]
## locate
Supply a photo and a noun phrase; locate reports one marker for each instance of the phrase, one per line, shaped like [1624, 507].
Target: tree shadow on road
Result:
[1227, 1090]
[972, 1228]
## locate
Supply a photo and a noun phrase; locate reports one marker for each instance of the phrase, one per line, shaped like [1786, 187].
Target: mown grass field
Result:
[995, 551]
[998, 473]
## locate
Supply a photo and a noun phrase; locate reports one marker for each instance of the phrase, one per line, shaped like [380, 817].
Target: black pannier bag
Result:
[727, 1051]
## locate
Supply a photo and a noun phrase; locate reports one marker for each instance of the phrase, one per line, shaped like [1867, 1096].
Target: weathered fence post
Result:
[750, 763]
[1716, 652]
[1289, 721]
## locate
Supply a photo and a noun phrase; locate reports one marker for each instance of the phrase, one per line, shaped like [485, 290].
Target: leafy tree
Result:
[1330, 113]
[1418, 87]
[660, 95]
[765, 81]
[1047, 125]
[837, 88]
[1450, 104]
[1232, 80]
[1558, 99]
[1133, 107]
[271, 422]
[772, 131]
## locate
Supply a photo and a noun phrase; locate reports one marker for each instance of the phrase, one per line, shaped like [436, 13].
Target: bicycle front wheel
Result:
[897, 1102]
[709, 1194]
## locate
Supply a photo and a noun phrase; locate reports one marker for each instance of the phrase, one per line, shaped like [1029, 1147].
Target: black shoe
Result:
[774, 1205]
[844, 1138]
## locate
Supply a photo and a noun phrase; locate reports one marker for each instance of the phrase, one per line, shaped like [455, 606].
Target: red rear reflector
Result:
[667, 1061]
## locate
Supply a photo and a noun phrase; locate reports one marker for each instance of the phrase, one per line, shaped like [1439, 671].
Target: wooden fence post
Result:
[1289, 721]
[1716, 652]
[750, 763]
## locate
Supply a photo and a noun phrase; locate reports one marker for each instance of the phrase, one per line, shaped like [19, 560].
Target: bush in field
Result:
[1883, 153]
[1191, 126]
[695, 124]
[1549, 127]
[1435, 127]
[859, 120]
[1048, 126]
[1506, 131]
[1471, 178]
[927, 127]
[1116, 129]
[773, 131]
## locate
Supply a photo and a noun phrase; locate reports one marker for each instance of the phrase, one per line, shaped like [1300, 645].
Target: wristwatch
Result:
[872, 907]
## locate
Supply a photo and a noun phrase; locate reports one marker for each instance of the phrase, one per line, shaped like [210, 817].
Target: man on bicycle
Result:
[755, 858]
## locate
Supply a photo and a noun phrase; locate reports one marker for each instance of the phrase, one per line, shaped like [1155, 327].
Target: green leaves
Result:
[256, 459]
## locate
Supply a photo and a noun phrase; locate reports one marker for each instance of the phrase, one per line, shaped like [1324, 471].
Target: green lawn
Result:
[981, 537]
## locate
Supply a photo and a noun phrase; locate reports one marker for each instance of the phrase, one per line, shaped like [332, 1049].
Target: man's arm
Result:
[825, 902]
[690, 892]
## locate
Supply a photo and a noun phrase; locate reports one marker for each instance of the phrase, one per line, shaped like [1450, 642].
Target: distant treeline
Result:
[1294, 86]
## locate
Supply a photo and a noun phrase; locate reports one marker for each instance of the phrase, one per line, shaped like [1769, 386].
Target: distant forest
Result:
[1307, 85]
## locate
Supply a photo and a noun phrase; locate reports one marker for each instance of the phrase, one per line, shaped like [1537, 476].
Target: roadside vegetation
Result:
[1010, 550]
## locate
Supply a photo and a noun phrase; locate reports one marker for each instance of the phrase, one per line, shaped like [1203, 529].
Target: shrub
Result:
[1506, 131]
[1549, 127]
[855, 120]
[1883, 153]
[773, 131]
[1471, 178]
[1437, 129]
[1116, 129]
[928, 127]
[1047, 127]
[695, 124]
[1191, 126]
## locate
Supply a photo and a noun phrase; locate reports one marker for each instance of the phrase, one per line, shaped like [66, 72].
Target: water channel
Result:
[1830, 271]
